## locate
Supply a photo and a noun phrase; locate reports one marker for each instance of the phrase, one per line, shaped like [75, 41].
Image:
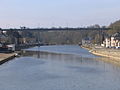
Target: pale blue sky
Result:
[48, 13]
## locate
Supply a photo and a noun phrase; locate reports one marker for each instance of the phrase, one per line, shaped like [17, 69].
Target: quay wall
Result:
[4, 57]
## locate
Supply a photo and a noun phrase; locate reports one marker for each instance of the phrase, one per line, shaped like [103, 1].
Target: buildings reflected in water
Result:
[58, 56]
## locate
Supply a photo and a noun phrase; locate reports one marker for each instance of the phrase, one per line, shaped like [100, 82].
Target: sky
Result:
[56, 13]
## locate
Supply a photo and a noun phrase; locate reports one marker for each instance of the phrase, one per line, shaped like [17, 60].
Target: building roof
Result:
[87, 38]
[116, 34]
[2, 36]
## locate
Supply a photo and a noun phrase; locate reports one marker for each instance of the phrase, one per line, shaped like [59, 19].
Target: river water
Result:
[58, 68]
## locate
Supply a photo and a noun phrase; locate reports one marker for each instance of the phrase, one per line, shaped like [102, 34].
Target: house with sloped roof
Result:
[113, 41]
[86, 41]
[3, 38]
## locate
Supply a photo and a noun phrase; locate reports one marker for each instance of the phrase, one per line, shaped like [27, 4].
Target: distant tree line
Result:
[65, 37]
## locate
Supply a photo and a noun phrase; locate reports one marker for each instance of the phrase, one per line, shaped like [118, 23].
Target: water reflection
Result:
[72, 60]
[42, 70]
[59, 57]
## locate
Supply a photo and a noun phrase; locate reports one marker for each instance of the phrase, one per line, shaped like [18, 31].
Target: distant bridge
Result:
[55, 29]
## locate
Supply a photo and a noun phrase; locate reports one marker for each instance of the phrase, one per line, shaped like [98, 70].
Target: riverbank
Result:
[4, 57]
[112, 55]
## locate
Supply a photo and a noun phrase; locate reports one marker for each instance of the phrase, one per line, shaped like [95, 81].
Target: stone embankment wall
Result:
[6, 57]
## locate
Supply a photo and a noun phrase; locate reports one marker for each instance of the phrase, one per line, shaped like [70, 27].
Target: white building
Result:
[107, 42]
[113, 41]
[86, 41]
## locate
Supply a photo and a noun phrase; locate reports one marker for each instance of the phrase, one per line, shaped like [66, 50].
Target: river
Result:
[62, 67]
